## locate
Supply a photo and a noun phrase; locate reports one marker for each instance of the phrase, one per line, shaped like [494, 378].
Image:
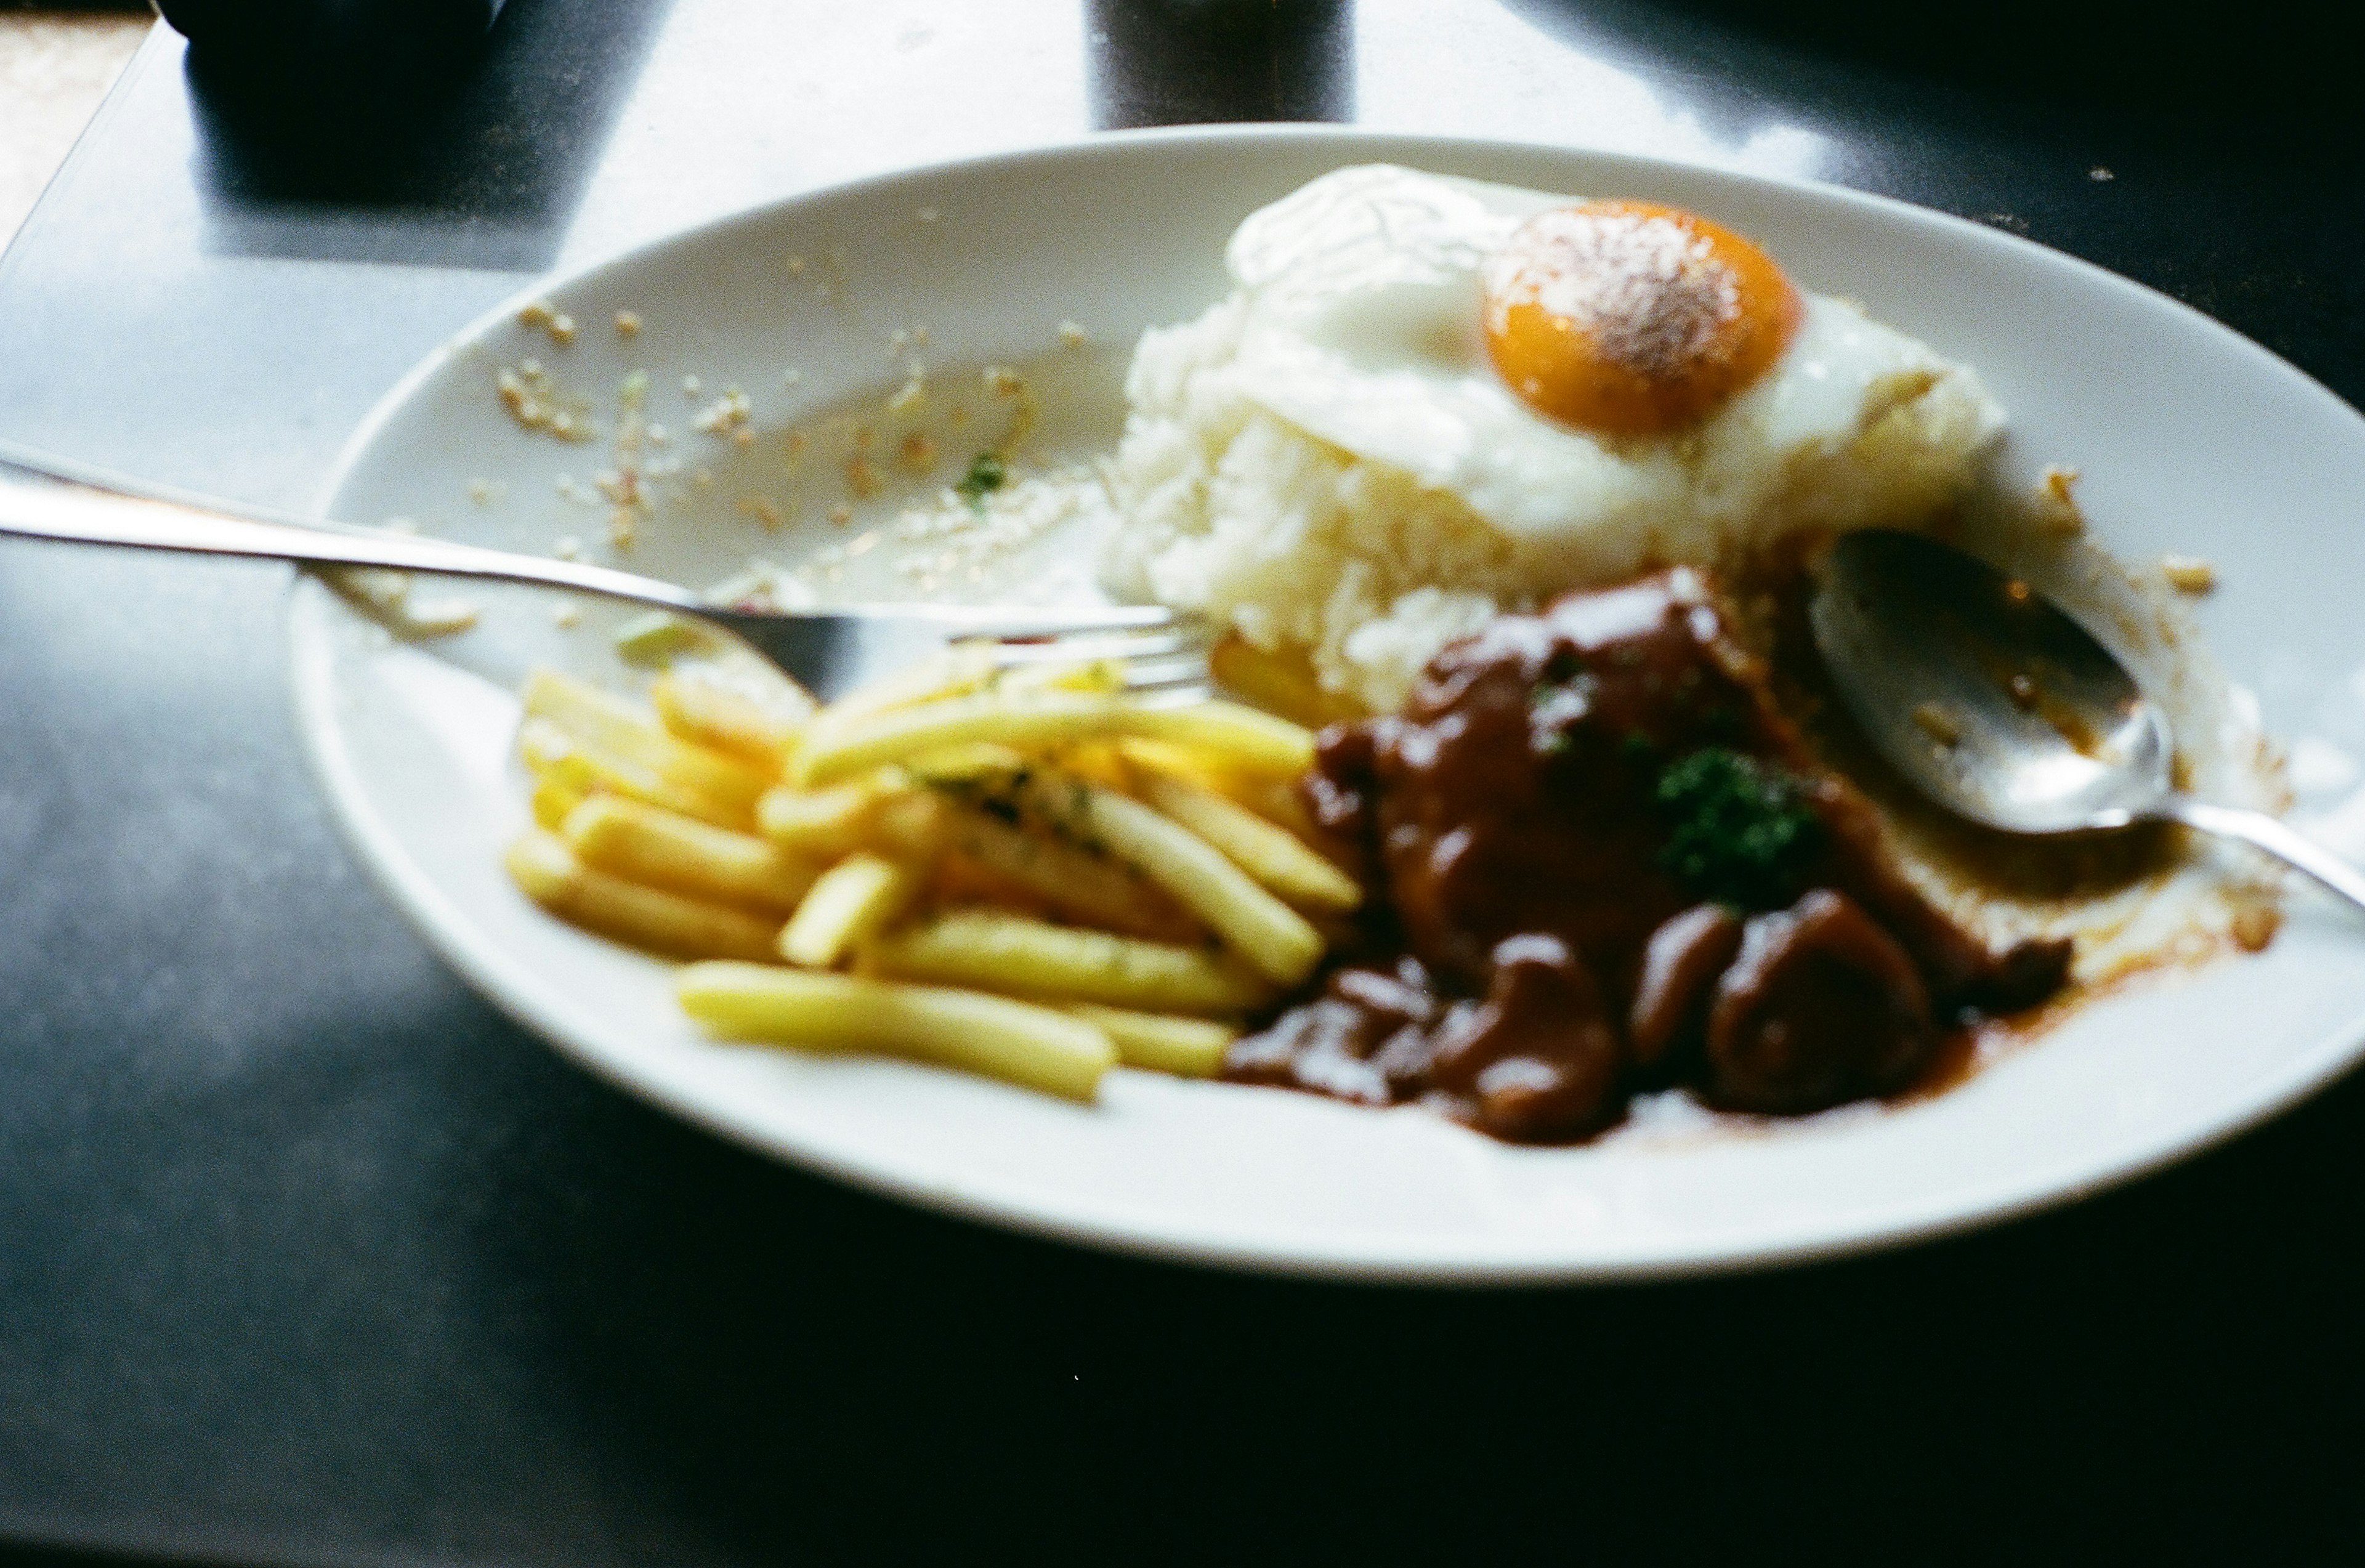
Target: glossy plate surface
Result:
[2188, 438]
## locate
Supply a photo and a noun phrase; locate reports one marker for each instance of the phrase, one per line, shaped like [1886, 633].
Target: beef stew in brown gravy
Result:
[1605, 862]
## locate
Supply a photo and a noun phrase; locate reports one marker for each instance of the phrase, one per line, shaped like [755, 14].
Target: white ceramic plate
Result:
[2189, 438]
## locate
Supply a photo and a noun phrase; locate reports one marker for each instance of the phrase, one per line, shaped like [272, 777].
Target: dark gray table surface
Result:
[307, 1255]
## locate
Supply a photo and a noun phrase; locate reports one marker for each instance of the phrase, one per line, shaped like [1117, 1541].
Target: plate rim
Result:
[1397, 1261]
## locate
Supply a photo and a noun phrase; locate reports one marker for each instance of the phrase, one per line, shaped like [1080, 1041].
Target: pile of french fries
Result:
[1018, 873]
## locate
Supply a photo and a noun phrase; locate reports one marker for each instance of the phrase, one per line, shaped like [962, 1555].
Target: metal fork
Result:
[827, 651]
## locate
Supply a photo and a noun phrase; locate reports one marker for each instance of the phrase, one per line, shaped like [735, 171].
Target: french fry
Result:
[824, 824]
[1240, 737]
[833, 751]
[552, 799]
[955, 879]
[994, 951]
[962, 763]
[607, 724]
[705, 712]
[570, 762]
[1275, 858]
[1187, 1048]
[830, 752]
[953, 671]
[908, 823]
[1096, 762]
[660, 848]
[1088, 675]
[1036, 1048]
[1280, 681]
[1273, 799]
[1074, 883]
[1272, 937]
[852, 900]
[548, 873]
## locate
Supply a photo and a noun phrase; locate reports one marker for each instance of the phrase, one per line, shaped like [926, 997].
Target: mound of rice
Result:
[1232, 510]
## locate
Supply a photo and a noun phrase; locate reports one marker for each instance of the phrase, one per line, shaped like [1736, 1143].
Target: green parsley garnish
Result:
[1739, 831]
[986, 475]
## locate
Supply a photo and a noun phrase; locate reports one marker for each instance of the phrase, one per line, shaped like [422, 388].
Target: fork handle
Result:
[40, 501]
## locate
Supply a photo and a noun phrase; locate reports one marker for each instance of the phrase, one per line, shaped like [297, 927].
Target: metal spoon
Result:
[1999, 706]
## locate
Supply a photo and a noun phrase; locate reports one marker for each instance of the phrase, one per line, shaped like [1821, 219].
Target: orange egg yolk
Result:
[1630, 318]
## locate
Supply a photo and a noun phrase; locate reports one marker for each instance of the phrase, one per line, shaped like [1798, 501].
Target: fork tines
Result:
[1167, 664]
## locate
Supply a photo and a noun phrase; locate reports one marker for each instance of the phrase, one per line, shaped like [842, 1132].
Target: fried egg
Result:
[1580, 374]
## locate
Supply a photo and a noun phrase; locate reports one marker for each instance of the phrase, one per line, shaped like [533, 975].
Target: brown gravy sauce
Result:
[1551, 932]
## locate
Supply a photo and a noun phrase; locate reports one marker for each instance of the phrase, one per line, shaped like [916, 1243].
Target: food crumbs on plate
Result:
[622, 529]
[2254, 925]
[566, 618]
[2023, 691]
[2188, 574]
[1073, 336]
[919, 453]
[763, 510]
[439, 618]
[2057, 502]
[2100, 174]
[554, 323]
[485, 492]
[727, 416]
[841, 514]
[1937, 724]
[690, 386]
[628, 323]
[567, 547]
[861, 478]
[536, 402]
[796, 264]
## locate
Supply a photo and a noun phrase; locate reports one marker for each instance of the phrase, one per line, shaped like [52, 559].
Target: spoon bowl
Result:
[1999, 705]
[1987, 695]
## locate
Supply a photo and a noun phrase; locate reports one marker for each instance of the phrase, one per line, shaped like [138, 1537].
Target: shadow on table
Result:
[2242, 75]
[481, 167]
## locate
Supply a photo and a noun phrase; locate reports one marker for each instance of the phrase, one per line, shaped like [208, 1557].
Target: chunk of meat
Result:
[1822, 1006]
[1537, 1061]
[1337, 1044]
[1680, 966]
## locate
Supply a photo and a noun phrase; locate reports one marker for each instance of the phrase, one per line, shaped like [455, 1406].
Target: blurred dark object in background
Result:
[1189, 61]
[295, 45]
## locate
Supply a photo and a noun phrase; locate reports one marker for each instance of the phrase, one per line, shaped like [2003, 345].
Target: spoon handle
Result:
[2276, 837]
